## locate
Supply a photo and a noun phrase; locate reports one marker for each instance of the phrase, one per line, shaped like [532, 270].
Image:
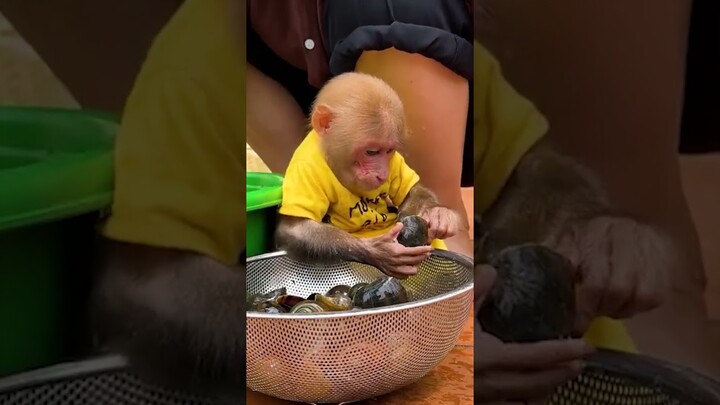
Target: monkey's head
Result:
[361, 123]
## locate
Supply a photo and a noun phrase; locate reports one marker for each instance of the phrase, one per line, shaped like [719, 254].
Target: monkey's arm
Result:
[178, 316]
[417, 200]
[314, 242]
[545, 192]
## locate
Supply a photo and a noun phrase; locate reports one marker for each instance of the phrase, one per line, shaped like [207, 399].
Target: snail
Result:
[339, 289]
[414, 231]
[288, 301]
[255, 302]
[533, 297]
[306, 307]
[268, 307]
[381, 292]
[335, 302]
[355, 288]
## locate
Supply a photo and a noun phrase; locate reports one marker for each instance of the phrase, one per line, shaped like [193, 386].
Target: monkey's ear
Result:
[321, 118]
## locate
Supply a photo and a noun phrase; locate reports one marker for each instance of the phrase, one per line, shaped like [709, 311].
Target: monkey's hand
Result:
[392, 258]
[623, 266]
[524, 372]
[443, 222]
[312, 242]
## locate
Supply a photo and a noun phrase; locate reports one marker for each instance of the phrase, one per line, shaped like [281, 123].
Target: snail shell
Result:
[271, 296]
[336, 302]
[414, 231]
[307, 307]
[381, 292]
[339, 289]
[354, 289]
[533, 298]
[268, 307]
[266, 302]
[288, 301]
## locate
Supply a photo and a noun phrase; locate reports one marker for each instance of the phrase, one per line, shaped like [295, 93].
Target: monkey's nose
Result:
[381, 179]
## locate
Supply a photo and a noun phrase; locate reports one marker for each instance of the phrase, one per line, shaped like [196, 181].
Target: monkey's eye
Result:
[390, 151]
[372, 152]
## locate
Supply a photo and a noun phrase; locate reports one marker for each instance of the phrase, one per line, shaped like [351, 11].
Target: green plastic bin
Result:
[55, 181]
[264, 195]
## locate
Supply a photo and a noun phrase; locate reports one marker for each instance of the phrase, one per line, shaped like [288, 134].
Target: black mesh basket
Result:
[98, 381]
[617, 378]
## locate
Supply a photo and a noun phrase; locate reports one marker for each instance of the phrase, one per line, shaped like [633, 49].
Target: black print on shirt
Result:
[365, 205]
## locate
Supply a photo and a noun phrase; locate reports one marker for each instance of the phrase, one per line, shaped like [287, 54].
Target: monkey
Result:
[177, 316]
[347, 186]
[622, 264]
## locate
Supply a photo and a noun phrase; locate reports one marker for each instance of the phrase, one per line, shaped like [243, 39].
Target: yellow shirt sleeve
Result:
[180, 168]
[403, 180]
[506, 126]
[304, 191]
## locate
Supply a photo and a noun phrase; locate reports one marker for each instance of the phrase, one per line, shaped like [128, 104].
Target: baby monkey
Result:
[347, 186]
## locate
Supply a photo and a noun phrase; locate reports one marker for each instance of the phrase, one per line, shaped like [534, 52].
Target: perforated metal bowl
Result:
[343, 357]
[617, 378]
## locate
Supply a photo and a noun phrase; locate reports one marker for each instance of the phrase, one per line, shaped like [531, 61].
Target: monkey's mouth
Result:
[371, 184]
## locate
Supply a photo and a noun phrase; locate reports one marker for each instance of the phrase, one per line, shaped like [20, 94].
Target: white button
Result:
[309, 44]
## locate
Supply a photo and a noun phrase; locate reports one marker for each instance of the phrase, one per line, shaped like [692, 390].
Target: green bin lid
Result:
[263, 190]
[54, 163]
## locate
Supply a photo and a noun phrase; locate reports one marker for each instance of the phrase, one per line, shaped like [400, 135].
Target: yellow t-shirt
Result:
[180, 152]
[311, 190]
[507, 125]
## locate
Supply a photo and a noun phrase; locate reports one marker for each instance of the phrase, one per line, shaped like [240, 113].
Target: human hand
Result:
[442, 222]
[526, 373]
[622, 266]
[392, 258]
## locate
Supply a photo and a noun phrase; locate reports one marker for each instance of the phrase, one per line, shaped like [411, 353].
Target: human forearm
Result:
[436, 101]
[178, 316]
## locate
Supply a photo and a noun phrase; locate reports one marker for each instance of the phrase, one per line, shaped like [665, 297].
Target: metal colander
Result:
[104, 380]
[617, 378]
[351, 356]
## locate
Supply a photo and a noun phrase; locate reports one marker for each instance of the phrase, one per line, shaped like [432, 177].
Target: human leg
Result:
[275, 122]
[436, 101]
[278, 102]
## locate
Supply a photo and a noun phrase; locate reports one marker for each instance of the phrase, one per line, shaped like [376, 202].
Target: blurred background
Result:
[25, 79]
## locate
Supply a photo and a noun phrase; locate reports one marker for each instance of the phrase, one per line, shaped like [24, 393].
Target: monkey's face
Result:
[371, 164]
[361, 122]
[358, 157]
[361, 162]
